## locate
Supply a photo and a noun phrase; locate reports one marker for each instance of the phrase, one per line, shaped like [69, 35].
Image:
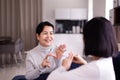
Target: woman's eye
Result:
[51, 33]
[45, 33]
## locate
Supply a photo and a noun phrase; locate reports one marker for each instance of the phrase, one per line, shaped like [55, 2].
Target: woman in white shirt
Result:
[39, 60]
[99, 43]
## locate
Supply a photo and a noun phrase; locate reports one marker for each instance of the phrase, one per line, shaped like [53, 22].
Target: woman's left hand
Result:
[60, 50]
[67, 61]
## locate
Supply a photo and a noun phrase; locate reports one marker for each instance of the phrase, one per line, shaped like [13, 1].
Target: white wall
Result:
[99, 8]
[109, 6]
[102, 8]
[90, 9]
[49, 7]
[74, 42]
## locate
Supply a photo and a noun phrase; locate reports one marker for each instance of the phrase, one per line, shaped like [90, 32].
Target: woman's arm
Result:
[33, 72]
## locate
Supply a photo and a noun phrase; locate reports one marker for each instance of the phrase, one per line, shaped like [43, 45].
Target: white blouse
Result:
[101, 69]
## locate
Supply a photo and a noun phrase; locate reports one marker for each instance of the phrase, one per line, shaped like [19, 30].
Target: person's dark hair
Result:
[41, 26]
[99, 38]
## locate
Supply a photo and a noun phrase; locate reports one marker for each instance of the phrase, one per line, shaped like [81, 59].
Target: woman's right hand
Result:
[46, 62]
[79, 60]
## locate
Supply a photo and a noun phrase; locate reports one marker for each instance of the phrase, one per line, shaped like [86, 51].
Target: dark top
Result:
[116, 64]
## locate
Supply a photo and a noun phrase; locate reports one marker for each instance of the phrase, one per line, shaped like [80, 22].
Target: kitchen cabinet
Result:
[62, 14]
[69, 26]
[70, 20]
[71, 14]
[78, 14]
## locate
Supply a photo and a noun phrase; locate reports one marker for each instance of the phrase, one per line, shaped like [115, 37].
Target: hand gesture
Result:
[60, 50]
[79, 60]
[46, 62]
[67, 61]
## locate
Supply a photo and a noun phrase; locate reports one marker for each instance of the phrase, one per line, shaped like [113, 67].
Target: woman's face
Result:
[46, 36]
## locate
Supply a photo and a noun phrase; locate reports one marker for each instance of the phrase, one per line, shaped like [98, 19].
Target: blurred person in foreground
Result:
[99, 43]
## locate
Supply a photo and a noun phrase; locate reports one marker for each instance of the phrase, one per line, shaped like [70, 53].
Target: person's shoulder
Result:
[104, 60]
[36, 48]
[31, 51]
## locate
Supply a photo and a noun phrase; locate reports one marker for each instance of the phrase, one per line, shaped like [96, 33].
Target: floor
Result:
[9, 71]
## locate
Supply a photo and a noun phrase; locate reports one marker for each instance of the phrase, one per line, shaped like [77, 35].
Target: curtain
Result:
[19, 18]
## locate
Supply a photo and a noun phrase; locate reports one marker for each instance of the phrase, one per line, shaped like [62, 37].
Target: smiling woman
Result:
[46, 37]
[43, 59]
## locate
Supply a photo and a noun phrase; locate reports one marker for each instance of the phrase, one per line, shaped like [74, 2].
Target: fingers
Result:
[60, 50]
[78, 59]
[67, 61]
[46, 62]
[47, 57]
[75, 57]
[50, 54]
[70, 57]
[62, 47]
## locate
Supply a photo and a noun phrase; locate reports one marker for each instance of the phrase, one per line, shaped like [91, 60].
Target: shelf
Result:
[69, 26]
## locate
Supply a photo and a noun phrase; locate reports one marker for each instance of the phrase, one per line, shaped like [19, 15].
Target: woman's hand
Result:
[79, 60]
[67, 61]
[46, 62]
[60, 50]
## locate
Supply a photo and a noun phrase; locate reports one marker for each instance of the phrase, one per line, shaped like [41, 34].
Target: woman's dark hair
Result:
[99, 38]
[41, 26]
